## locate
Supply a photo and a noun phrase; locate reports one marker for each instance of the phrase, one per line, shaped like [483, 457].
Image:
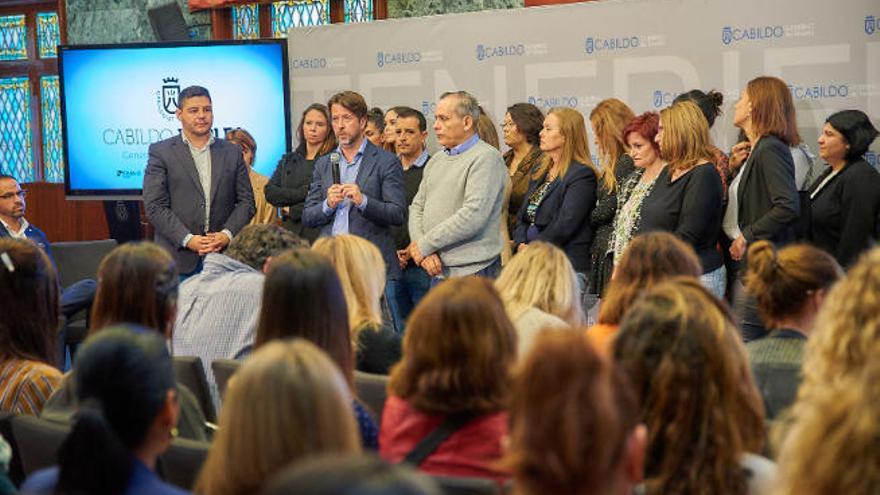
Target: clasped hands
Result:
[212, 242]
[430, 264]
[339, 192]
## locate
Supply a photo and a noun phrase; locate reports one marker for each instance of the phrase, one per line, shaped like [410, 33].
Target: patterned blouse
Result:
[26, 385]
[535, 200]
[626, 222]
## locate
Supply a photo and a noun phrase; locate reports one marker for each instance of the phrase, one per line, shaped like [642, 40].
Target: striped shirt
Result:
[26, 385]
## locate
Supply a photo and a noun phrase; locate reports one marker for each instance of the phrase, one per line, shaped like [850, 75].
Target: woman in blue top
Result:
[127, 416]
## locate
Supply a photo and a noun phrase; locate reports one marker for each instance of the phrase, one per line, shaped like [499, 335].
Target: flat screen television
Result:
[118, 99]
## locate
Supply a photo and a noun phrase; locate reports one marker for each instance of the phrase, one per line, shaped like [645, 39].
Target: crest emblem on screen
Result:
[170, 91]
[870, 24]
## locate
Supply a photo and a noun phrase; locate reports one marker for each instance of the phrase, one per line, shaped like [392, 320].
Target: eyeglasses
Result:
[21, 194]
[506, 124]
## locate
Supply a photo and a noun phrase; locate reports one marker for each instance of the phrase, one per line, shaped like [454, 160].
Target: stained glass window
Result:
[298, 13]
[53, 152]
[48, 38]
[246, 22]
[358, 10]
[15, 129]
[13, 38]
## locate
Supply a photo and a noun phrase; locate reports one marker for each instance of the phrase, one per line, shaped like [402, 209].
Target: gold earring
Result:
[174, 432]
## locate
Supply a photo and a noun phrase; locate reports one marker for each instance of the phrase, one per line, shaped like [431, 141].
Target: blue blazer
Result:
[563, 217]
[175, 202]
[380, 178]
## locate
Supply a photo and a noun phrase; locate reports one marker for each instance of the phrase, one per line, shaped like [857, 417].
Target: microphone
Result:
[334, 166]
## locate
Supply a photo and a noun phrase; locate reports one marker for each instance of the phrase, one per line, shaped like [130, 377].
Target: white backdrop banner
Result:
[644, 52]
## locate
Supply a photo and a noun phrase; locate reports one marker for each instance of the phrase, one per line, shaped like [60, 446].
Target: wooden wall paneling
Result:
[64, 220]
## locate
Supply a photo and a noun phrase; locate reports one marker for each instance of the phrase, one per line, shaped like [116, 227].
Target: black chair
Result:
[459, 485]
[37, 442]
[16, 474]
[223, 370]
[371, 389]
[188, 371]
[181, 463]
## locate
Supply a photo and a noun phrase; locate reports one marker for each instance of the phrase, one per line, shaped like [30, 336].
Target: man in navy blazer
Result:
[196, 188]
[368, 198]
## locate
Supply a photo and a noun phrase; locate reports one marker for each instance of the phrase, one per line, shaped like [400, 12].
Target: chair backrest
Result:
[223, 370]
[37, 441]
[188, 370]
[78, 260]
[181, 463]
[459, 485]
[16, 475]
[372, 390]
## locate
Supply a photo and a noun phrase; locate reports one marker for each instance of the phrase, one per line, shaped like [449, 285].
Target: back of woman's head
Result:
[123, 376]
[541, 277]
[647, 260]
[685, 141]
[361, 270]
[486, 130]
[773, 112]
[709, 103]
[288, 402]
[608, 119]
[350, 475]
[831, 445]
[29, 291]
[302, 297]
[137, 283]
[682, 352]
[457, 351]
[570, 437]
[783, 281]
[847, 330]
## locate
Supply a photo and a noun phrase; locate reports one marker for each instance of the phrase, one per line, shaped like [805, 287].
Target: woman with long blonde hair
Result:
[562, 192]
[539, 288]
[687, 197]
[361, 272]
[608, 120]
[288, 402]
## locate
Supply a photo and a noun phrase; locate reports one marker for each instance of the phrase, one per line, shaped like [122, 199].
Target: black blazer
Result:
[289, 186]
[844, 213]
[563, 217]
[768, 204]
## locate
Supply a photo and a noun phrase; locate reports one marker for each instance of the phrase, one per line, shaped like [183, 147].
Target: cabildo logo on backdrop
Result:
[488, 51]
[870, 25]
[736, 34]
[407, 57]
[663, 98]
[595, 44]
[317, 63]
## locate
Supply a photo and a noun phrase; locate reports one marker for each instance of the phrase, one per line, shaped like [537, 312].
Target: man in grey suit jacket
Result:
[196, 188]
[368, 198]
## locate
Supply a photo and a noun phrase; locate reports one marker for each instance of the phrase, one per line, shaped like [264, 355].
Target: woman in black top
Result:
[845, 200]
[562, 193]
[687, 197]
[289, 185]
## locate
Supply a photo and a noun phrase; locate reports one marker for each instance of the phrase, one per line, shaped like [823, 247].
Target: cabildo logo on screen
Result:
[166, 98]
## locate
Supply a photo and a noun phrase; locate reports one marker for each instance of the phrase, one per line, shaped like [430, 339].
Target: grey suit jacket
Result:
[175, 202]
[380, 178]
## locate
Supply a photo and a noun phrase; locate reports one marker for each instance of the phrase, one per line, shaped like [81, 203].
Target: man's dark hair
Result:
[408, 113]
[352, 101]
[257, 243]
[377, 117]
[192, 92]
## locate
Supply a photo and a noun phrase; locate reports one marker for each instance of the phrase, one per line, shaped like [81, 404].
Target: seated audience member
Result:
[648, 260]
[126, 419]
[350, 475]
[608, 120]
[453, 382]
[13, 224]
[266, 213]
[361, 272]
[790, 286]
[137, 284]
[375, 130]
[289, 185]
[832, 444]
[540, 290]
[29, 295]
[562, 192]
[845, 200]
[581, 435]
[302, 297]
[217, 309]
[683, 355]
[287, 403]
